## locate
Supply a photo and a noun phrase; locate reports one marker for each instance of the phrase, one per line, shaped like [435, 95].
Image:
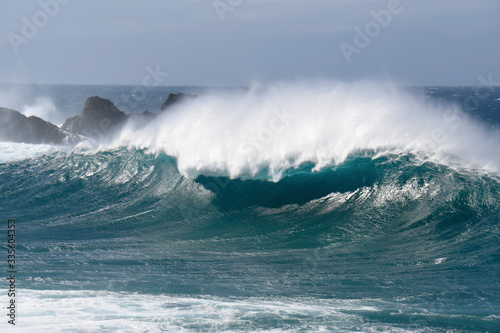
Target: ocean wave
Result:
[369, 210]
[124, 220]
[126, 186]
[273, 129]
[266, 131]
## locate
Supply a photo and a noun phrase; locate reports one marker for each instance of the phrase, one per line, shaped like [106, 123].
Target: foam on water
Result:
[272, 129]
[92, 311]
[118, 240]
[266, 130]
[11, 151]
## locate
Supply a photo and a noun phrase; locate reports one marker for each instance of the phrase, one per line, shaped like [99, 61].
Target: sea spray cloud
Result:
[43, 107]
[21, 98]
[12, 97]
[328, 121]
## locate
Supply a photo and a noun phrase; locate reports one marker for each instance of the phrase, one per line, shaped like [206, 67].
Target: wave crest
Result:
[274, 128]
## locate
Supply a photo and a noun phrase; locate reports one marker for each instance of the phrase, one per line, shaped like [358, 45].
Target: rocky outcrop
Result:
[16, 127]
[174, 99]
[98, 117]
[146, 115]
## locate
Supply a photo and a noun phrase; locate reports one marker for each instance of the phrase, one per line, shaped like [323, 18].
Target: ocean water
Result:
[299, 207]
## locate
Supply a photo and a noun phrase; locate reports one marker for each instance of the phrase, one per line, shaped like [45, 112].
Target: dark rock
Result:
[16, 127]
[98, 117]
[173, 99]
[147, 115]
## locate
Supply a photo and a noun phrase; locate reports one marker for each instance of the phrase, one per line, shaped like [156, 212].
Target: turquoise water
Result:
[123, 237]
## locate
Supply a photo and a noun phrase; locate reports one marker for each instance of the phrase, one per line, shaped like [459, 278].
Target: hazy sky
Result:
[236, 42]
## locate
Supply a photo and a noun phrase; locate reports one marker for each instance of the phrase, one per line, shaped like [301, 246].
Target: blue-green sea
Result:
[322, 207]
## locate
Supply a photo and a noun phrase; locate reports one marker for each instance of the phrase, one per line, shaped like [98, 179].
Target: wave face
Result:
[364, 226]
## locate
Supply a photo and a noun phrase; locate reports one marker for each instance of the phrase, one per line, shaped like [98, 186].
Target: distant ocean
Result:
[299, 207]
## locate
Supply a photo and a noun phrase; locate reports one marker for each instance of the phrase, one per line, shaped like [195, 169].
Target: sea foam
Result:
[270, 129]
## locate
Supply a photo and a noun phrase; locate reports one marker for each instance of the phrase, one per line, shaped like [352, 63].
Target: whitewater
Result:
[289, 207]
[276, 128]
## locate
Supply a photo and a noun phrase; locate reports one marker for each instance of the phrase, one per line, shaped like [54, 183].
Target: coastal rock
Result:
[147, 115]
[98, 117]
[173, 99]
[16, 127]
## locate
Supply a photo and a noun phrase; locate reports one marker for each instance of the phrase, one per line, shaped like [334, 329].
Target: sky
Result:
[240, 42]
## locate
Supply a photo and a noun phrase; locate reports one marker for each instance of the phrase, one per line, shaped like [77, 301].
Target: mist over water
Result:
[43, 107]
[19, 98]
[269, 129]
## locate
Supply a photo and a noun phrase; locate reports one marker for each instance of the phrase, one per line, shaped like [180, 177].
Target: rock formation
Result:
[97, 118]
[16, 127]
[173, 99]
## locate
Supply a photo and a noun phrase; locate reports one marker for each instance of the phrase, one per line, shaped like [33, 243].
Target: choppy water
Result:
[355, 216]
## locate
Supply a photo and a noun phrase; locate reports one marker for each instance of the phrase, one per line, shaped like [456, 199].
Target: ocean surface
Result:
[299, 207]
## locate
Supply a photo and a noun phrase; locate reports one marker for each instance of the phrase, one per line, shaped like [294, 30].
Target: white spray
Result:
[278, 127]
